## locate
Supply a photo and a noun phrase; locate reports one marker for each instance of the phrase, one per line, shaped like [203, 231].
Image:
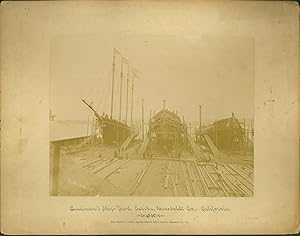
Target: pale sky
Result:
[183, 54]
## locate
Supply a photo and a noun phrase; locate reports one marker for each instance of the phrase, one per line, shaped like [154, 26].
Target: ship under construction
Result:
[169, 158]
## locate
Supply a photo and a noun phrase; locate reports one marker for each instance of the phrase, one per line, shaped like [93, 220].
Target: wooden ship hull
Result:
[112, 132]
[226, 134]
[167, 131]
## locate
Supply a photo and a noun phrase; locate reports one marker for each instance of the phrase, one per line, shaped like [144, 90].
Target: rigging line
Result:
[106, 96]
[106, 101]
[99, 100]
[103, 95]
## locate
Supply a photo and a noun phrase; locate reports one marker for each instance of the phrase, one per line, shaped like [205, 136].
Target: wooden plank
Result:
[83, 159]
[243, 169]
[105, 166]
[213, 182]
[140, 177]
[231, 171]
[96, 165]
[221, 186]
[212, 146]
[245, 182]
[222, 168]
[246, 178]
[189, 192]
[248, 192]
[208, 182]
[204, 184]
[168, 168]
[237, 185]
[223, 182]
[174, 186]
[190, 179]
[172, 159]
[232, 186]
[194, 180]
[241, 181]
[93, 169]
[103, 173]
[92, 162]
[176, 173]
[118, 167]
[249, 169]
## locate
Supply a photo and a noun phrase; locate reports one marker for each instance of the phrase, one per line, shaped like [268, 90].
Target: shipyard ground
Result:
[94, 171]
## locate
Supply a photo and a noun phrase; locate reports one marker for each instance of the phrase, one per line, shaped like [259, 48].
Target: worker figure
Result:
[216, 164]
[115, 155]
[219, 175]
[209, 158]
[118, 153]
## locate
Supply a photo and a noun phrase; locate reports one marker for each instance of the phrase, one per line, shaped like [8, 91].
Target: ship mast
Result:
[112, 84]
[121, 88]
[95, 112]
[127, 84]
[132, 86]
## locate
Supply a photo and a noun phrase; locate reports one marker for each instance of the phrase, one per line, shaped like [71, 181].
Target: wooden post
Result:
[121, 90]
[55, 170]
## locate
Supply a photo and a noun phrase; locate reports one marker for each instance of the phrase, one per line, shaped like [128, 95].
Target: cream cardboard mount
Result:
[238, 60]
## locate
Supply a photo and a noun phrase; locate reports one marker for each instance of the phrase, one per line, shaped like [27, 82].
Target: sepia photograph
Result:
[149, 117]
[147, 114]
